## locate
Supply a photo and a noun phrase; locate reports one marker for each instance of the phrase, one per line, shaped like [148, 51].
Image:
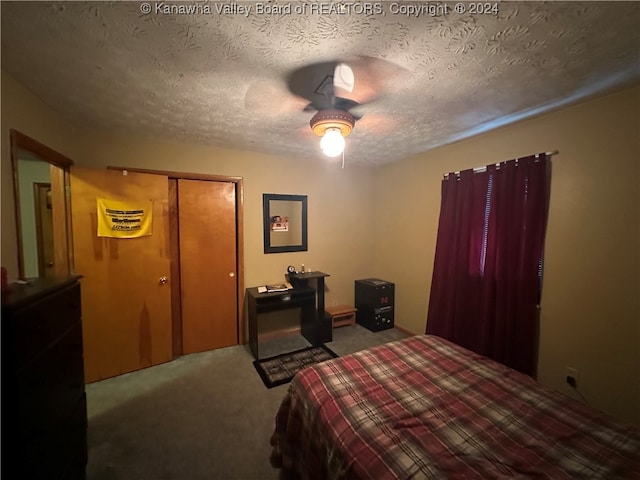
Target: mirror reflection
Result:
[285, 223]
[40, 179]
[34, 185]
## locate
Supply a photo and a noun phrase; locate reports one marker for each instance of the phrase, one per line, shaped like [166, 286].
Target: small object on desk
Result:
[262, 289]
[278, 287]
[302, 269]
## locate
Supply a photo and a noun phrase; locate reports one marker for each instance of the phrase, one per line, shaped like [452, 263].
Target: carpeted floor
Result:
[202, 416]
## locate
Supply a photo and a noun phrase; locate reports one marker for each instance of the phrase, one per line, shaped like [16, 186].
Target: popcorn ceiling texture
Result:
[219, 78]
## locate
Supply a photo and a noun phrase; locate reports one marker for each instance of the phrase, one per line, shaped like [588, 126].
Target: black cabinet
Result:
[44, 412]
[374, 299]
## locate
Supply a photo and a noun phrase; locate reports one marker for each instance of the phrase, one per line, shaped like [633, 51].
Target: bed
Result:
[422, 407]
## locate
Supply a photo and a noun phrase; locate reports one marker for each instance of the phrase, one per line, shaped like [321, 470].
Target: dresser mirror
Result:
[40, 179]
[284, 223]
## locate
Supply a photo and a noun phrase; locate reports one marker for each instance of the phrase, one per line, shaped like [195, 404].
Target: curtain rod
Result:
[484, 169]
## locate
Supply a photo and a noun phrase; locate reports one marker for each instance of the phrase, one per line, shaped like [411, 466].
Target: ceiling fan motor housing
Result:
[331, 118]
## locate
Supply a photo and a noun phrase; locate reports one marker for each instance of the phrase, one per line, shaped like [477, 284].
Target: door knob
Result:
[232, 274]
[163, 280]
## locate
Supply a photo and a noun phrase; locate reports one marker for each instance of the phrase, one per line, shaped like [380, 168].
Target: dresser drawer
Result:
[40, 325]
[49, 388]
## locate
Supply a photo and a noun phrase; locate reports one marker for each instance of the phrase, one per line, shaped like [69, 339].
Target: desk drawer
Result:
[289, 300]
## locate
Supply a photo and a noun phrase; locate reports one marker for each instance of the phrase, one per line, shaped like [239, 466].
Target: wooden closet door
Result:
[126, 304]
[208, 259]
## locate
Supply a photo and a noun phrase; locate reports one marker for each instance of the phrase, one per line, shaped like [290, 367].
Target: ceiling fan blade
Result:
[271, 99]
[314, 83]
[366, 87]
[346, 84]
[378, 123]
[372, 78]
[340, 103]
[371, 107]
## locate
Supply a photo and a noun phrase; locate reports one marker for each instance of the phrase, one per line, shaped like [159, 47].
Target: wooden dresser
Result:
[44, 411]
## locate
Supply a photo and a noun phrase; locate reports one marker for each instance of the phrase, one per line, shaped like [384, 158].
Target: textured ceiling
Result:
[219, 78]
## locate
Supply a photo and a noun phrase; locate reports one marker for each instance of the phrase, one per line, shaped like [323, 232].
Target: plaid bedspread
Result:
[422, 407]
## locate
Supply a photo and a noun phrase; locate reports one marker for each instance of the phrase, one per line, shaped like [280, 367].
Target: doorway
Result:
[44, 228]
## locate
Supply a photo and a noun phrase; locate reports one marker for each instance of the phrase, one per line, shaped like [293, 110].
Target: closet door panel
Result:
[208, 264]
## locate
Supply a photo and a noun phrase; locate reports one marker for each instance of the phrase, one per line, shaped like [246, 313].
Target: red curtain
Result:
[487, 268]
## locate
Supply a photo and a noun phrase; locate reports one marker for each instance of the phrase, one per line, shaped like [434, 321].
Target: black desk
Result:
[300, 297]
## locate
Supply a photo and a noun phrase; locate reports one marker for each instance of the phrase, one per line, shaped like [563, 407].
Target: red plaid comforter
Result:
[422, 407]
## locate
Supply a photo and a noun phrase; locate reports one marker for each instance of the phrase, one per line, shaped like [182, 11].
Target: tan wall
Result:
[591, 294]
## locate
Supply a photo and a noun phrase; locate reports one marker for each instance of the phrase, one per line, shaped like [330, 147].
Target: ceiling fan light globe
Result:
[332, 142]
[343, 77]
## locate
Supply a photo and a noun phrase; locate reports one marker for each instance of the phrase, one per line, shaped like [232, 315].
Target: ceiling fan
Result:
[338, 91]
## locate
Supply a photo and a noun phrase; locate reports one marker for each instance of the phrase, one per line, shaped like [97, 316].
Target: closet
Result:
[147, 300]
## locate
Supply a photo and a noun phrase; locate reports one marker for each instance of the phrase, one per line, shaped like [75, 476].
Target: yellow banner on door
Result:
[118, 219]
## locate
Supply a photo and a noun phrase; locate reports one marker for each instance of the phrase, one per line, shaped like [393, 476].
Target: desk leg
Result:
[320, 294]
[324, 323]
[253, 328]
[308, 323]
[315, 325]
[317, 328]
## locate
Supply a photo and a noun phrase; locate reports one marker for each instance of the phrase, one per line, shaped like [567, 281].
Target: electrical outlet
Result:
[572, 377]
